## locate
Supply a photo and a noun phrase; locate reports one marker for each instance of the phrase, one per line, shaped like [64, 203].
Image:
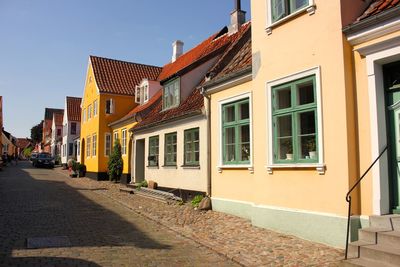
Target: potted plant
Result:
[74, 168]
[287, 143]
[311, 146]
[81, 170]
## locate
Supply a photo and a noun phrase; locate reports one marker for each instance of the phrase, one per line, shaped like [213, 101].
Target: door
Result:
[392, 85]
[139, 161]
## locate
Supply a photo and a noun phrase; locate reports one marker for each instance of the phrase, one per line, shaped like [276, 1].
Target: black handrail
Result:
[348, 197]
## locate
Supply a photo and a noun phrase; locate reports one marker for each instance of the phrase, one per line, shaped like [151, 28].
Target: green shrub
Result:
[142, 184]
[196, 200]
[115, 163]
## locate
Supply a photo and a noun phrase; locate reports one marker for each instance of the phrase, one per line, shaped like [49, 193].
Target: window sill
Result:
[191, 167]
[170, 166]
[319, 167]
[309, 9]
[237, 167]
[152, 166]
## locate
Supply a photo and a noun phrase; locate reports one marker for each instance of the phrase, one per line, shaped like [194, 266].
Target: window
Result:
[170, 149]
[94, 144]
[95, 108]
[58, 132]
[73, 127]
[236, 132]
[107, 150]
[88, 146]
[78, 148]
[294, 116]
[171, 94]
[192, 147]
[153, 151]
[142, 93]
[84, 115]
[116, 136]
[283, 8]
[145, 93]
[123, 144]
[70, 149]
[110, 106]
[89, 112]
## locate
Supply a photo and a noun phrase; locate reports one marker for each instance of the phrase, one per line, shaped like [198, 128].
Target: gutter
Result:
[204, 93]
[372, 21]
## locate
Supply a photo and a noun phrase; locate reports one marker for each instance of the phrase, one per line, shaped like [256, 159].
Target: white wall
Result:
[179, 177]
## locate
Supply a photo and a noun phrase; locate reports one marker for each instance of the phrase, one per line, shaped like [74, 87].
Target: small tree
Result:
[115, 163]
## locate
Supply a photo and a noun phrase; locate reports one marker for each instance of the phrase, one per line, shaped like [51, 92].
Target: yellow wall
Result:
[301, 43]
[127, 157]
[99, 124]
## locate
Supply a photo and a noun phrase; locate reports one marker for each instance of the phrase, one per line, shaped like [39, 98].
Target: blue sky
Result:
[45, 44]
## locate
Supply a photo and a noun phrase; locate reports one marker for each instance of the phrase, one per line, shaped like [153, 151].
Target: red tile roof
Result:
[48, 113]
[120, 77]
[378, 6]
[23, 142]
[74, 108]
[207, 47]
[194, 103]
[59, 117]
[236, 58]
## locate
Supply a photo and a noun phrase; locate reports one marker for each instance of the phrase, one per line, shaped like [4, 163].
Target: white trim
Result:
[222, 102]
[124, 145]
[229, 84]
[310, 9]
[320, 166]
[380, 180]
[105, 143]
[376, 31]
[94, 146]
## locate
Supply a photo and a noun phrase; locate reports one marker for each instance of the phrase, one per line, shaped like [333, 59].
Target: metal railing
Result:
[348, 198]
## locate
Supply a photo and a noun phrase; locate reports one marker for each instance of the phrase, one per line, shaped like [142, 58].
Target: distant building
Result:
[56, 134]
[47, 124]
[71, 129]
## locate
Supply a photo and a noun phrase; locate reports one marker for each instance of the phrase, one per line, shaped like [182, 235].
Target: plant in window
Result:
[311, 146]
[287, 144]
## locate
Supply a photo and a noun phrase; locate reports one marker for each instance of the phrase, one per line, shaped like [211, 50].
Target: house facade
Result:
[292, 173]
[171, 139]
[71, 129]
[57, 135]
[375, 40]
[108, 96]
[47, 126]
[9, 144]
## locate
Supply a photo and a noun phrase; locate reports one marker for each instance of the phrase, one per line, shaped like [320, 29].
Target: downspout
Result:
[208, 116]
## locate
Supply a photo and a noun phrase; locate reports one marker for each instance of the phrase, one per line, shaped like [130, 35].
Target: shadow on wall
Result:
[34, 207]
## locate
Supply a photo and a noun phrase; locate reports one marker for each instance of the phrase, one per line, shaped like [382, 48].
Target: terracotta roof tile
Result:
[378, 6]
[48, 113]
[23, 142]
[59, 117]
[212, 44]
[74, 108]
[120, 77]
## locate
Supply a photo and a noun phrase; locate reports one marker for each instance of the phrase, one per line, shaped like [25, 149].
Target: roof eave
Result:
[228, 80]
[371, 21]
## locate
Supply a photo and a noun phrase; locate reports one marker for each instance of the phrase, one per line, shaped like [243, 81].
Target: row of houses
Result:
[274, 119]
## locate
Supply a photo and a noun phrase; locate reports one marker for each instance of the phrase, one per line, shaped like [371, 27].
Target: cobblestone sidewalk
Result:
[228, 235]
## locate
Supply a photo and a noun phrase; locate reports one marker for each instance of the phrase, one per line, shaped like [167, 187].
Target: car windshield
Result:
[44, 156]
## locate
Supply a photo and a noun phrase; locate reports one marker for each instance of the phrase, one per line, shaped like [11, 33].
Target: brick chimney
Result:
[238, 17]
[177, 49]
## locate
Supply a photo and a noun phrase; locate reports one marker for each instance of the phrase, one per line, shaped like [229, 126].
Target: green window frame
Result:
[170, 147]
[153, 151]
[283, 8]
[171, 94]
[236, 145]
[192, 147]
[295, 122]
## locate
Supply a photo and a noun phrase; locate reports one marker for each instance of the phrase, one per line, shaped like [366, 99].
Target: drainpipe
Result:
[208, 115]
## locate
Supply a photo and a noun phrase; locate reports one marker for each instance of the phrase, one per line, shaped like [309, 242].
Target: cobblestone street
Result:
[101, 232]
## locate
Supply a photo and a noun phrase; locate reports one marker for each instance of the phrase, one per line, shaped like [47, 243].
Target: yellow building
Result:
[284, 136]
[108, 96]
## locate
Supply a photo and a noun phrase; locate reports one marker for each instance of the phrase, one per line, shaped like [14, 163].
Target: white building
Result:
[71, 129]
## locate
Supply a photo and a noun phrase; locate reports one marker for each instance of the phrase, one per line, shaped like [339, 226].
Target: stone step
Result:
[370, 234]
[384, 221]
[354, 248]
[391, 239]
[364, 263]
[153, 197]
[382, 253]
[396, 223]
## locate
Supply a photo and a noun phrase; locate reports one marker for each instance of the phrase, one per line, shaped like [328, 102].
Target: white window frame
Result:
[105, 144]
[94, 145]
[310, 9]
[123, 142]
[112, 106]
[173, 81]
[88, 146]
[145, 89]
[115, 137]
[320, 165]
[95, 104]
[78, 149]
[221, 103]
[89, 112]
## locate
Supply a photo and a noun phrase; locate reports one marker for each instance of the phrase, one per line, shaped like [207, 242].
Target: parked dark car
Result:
[33, 156]
[43, 160]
